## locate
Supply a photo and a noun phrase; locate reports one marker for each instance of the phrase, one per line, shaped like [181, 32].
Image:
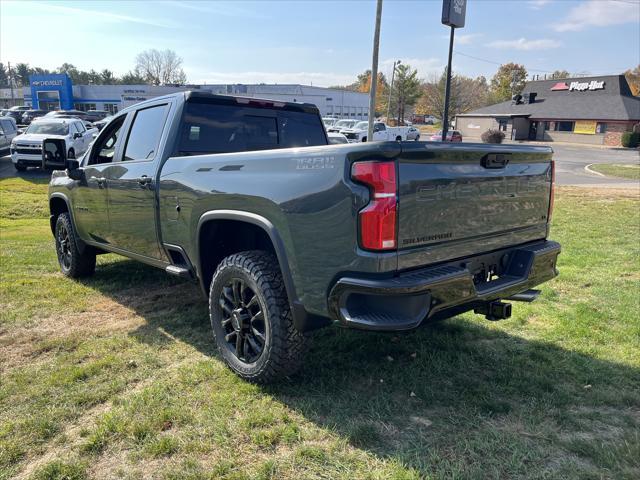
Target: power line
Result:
[535, 69]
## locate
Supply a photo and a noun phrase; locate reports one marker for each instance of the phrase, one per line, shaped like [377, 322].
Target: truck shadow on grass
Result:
[451, 399]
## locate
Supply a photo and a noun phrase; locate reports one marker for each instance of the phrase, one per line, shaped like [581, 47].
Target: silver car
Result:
[413, 134]
[8, 131]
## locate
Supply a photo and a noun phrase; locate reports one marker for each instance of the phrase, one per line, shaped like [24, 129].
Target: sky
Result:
[322, 42]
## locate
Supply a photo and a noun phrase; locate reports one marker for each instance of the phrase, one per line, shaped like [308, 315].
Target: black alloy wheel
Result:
[243, 321]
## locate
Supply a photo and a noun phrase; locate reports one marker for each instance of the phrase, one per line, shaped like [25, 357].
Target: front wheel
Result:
[417, 138]
[73, 263]
[251, 319]
[20, 167]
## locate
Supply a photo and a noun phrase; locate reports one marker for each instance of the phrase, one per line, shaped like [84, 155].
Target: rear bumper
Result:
[404, 301]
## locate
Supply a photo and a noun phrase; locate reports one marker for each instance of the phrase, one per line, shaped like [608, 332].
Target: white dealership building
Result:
[57, 91]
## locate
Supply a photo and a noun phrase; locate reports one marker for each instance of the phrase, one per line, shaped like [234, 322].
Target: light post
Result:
[393, 74]
[453, 15]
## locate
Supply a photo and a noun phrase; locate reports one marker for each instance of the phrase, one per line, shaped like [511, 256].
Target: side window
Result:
[105, 146]
[381, 127]
[145, 133]
[80, 127]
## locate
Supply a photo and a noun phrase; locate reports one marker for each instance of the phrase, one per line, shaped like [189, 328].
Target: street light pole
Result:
[374, 72]
[447, 91]
[393, 74]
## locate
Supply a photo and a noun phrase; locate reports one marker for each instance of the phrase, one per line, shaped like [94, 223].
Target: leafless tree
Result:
[160, 67]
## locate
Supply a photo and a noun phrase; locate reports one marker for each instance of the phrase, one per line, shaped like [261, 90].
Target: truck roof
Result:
[206, 97]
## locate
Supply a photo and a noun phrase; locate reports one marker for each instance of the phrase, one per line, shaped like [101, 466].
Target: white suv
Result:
[26, 149]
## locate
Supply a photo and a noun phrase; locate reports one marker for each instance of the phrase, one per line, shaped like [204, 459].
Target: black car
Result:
[16, 115]
[29, 115]
[95, 115]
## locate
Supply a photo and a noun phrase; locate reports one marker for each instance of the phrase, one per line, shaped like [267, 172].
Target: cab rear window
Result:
[210, 128]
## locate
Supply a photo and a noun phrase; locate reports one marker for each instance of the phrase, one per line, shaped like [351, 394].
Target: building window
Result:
[112, 108]
[601, 127]
[502, 124]
[547, 126]
[84, 107]
[564, 127]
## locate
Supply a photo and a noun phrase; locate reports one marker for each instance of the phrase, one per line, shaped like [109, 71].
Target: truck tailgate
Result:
[459, 200]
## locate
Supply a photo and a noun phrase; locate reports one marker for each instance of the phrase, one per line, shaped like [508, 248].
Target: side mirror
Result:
[77, 135]
[54, 153]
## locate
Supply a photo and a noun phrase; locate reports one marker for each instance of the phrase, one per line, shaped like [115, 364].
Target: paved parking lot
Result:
[571, 161]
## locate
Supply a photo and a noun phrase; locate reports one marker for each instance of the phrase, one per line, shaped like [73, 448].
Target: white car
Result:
[329, 121]
[26, 149]
[341, 124]
[413, 134]
[381, 132]
[336, 138]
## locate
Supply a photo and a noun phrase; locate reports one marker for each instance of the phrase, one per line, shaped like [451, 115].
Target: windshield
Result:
[49, 128]
[345, 123]
[361, 125]
[329, 121]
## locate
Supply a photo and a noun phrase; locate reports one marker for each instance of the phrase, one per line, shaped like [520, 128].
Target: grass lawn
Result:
[631, 170]
[116, 376]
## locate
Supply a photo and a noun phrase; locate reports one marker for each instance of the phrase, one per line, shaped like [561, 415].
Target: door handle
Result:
[101, 181]
[144, 181]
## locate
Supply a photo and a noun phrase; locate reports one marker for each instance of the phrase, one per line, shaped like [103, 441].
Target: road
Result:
[571, 161]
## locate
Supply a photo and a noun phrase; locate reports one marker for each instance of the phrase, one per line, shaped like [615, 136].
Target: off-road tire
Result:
[284, 346]
[417, 138]
[20, 167]
[73, 264]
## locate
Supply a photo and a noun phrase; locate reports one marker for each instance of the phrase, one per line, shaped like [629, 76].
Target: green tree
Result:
[21, 74]
[107, 77]
[4, 76]
[363, 85]
[406, 90]
[132, 78]
[509, 80]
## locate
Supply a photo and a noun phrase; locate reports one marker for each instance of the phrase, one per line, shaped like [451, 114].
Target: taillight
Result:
[553, 188]
[378, 218]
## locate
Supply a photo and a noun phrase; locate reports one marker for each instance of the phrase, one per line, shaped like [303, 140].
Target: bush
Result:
[630, 139]
[492, 136]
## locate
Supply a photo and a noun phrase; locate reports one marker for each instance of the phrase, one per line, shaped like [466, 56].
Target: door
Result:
[4, 139]
[90, 198]
[82, 142]
[379, 132]
[132, 186]
[533, 130]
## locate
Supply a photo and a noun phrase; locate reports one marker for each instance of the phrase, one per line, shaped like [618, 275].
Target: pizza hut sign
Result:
[582, 86]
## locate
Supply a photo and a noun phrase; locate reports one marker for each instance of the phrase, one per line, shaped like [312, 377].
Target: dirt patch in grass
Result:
[57, 333]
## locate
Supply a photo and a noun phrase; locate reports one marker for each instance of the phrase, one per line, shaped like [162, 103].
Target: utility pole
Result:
[447, 89]
[393, 74]
[374, 72]
[11, 83]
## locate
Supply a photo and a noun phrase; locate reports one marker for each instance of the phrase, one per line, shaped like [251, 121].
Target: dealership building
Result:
[52, 92]
[590, 110]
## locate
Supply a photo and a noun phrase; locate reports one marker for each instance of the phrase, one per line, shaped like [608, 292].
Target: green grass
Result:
[116, 376]
[630, 170]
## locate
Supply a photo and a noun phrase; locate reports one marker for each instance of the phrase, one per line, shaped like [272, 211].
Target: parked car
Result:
[377, 236]
[336, 138]
[413, 134]
[381, 132]
[8, 131]
[95, 115]
[340, 124]
[16, 115]
[101, 123]
[69, 114]
[29, 115]
[26, 149]
[452, 136]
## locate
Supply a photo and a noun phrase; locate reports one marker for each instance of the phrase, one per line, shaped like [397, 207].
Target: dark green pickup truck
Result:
[286, 233]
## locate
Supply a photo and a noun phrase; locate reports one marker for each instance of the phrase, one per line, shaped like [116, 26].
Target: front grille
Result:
[351, 136]
[29, 151]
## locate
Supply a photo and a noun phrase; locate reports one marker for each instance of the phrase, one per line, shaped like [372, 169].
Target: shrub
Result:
[630, 139]
[492, 136]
